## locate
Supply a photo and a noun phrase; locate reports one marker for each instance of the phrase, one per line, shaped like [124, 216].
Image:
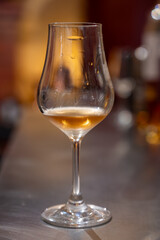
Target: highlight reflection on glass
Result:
[75, 93]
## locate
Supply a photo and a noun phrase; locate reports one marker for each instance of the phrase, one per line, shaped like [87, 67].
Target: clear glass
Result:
[75, 93]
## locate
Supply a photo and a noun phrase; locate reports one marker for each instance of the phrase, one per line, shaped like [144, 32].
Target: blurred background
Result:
[131, 31]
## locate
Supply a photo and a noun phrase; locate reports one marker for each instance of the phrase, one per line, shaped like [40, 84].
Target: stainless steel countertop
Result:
[118, 171]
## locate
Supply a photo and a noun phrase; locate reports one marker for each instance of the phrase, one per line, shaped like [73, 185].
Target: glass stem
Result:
[76, 197]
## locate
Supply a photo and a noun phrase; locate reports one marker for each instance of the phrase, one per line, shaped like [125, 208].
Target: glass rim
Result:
[74, 24]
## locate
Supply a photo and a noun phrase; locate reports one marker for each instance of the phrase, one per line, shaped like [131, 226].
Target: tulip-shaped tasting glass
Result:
[75, 93]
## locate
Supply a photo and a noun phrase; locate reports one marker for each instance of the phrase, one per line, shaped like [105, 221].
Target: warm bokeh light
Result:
[32, 41]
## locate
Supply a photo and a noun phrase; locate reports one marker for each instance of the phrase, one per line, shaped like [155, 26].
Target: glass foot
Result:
[76, 216]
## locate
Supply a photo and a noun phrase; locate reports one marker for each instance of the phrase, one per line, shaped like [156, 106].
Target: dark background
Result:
[23, 39]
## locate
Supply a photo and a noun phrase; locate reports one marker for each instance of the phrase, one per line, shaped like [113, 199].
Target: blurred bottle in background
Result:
[121, 67]
[136, 76]
[148, 59]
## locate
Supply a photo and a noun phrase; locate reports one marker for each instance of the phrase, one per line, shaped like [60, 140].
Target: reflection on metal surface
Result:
[122, 148]
[153, 236]
[92, 234]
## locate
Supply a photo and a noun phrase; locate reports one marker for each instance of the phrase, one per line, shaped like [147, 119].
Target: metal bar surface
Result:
[118, 171]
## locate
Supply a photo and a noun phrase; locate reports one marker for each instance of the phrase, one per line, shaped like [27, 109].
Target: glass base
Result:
[76, 216]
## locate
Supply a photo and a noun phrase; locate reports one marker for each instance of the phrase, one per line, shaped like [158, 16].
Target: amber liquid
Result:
[75, 121]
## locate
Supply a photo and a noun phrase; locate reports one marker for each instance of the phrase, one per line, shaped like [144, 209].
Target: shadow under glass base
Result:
[76, 216]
